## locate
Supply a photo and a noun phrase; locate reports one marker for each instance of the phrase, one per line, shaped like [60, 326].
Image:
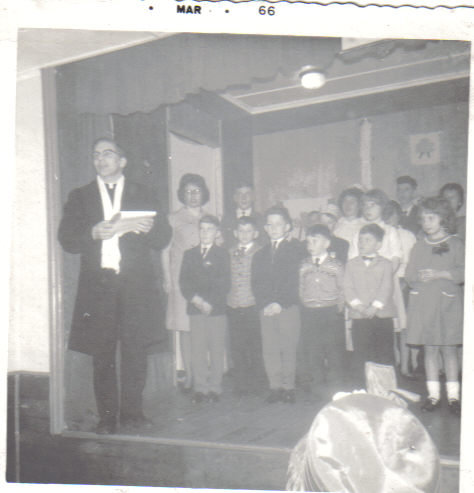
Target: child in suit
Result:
[242, 313]
[368, 291]
[205, 281]
[321, 293]
[275, 287]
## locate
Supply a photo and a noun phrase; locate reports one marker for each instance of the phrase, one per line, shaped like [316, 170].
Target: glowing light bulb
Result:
[312, 79]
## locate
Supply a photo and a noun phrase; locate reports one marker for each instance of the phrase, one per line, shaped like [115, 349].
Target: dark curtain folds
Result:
[144, 77]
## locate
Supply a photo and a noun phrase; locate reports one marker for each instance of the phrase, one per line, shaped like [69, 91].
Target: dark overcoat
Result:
[99, 320]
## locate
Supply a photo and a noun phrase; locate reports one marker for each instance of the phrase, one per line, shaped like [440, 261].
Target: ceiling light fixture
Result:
[312, 78]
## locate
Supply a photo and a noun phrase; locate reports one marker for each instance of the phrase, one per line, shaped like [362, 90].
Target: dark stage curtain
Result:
[144, 77]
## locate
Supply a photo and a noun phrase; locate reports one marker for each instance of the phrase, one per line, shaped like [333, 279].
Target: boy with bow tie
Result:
[205, 281]
[368, 290]
[322, 326]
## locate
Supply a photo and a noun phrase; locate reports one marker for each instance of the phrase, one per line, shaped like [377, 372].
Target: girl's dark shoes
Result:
[430, 404]
[454, 407]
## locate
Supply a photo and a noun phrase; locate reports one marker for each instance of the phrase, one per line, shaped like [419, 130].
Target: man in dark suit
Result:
[116, 282]
[244, 207]
[406, 190]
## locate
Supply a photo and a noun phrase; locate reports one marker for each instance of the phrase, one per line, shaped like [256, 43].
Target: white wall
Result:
[28, 345]
[323, 160]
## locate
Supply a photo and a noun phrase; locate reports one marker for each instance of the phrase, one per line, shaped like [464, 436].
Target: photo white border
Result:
[291, 19]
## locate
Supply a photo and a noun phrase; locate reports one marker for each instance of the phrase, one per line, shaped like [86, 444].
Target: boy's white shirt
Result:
[247, 247]
[321, 258]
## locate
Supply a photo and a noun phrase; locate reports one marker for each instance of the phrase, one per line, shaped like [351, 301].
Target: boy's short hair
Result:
[279, 210]
[457, 188]
[405, 179]
[210, 219]
[375, 195]
[243, 184]
[331, 209]
[319, 229]
[244, 220]
[392, 207]
[373, 229]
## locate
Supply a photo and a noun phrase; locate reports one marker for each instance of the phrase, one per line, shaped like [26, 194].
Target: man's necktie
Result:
[111, 190]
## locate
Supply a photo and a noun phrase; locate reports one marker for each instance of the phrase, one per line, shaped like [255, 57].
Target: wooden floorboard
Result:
[246, 452]
[249, 421]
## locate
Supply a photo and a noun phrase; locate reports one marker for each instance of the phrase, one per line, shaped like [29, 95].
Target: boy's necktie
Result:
[204, 252]
[274, 249]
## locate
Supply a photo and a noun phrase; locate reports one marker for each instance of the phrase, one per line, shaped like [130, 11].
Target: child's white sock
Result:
[453, 390]
[433, 387]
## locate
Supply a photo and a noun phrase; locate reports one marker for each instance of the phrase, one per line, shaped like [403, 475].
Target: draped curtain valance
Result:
[165, 71]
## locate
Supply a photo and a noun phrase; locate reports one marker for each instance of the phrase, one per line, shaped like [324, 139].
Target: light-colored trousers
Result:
[208, 352]
[280, 336]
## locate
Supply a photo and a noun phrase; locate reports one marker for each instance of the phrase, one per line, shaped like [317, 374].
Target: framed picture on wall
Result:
[425, 148]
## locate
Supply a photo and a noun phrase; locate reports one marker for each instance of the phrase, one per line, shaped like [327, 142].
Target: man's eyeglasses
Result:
[105, 154]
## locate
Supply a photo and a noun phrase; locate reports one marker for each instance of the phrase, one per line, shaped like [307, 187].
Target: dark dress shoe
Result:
[289, 396]
[275, 395]
[213, 397]
[454, 407]
[106, 426]
[198, 397]
[430, 404]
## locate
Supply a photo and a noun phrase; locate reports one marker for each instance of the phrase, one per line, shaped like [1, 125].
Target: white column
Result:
[365, 153]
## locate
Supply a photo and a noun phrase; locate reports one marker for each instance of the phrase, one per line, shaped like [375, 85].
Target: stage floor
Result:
[250, 422]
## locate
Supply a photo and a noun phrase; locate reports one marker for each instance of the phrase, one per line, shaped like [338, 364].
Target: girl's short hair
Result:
[375, 195]
[350, 192]
[198, 181]
[457, 188]
[442, 208]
